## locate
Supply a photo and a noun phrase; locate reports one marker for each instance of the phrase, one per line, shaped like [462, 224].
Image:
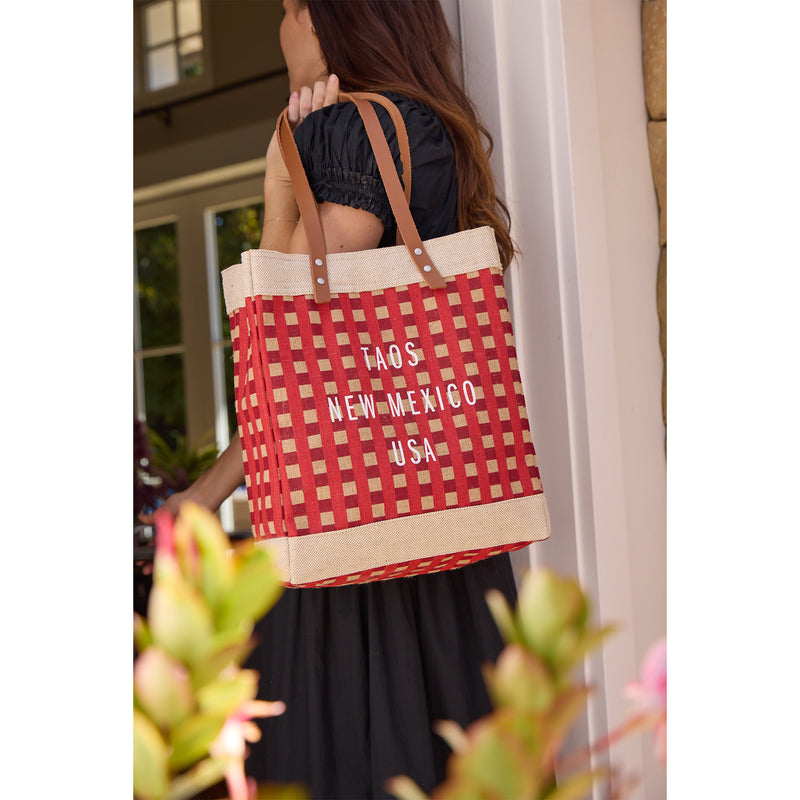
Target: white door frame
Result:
[559, 84]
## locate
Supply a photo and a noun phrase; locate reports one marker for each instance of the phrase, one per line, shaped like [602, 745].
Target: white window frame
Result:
[192, 203]
[144, 98]
[219, 337]
[139, 353]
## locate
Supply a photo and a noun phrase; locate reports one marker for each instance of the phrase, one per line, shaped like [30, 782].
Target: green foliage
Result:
[189, 687]
[238, 229]
[510, 753]
[159, 311]
[157, 286]
[178, 464]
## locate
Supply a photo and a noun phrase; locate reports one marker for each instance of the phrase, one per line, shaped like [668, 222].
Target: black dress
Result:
[366, 670]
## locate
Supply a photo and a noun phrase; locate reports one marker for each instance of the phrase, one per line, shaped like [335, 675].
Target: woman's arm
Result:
[213, 486]
[281, 215]
[346, 229]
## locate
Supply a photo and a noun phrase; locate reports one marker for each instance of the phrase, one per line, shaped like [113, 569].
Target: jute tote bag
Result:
[378, 397]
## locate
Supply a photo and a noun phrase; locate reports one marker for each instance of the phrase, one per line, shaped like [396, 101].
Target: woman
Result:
[366, 670]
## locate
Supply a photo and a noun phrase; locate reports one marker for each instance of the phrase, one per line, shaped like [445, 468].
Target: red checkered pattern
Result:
[430, 415]
[421, 566]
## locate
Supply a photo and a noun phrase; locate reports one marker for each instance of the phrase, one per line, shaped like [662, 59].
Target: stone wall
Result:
[654, 58]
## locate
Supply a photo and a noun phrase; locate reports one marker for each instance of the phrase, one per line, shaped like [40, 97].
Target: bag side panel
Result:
[254, 420]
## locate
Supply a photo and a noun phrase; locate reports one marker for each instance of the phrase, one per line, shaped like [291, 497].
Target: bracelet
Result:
[279, 219]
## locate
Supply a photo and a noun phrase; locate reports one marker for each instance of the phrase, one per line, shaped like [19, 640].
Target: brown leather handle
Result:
[397, 195]
[400, 130]
[307, 206]
[402, 140]
[394, 191]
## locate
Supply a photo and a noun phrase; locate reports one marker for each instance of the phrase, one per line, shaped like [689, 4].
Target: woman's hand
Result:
[301, 104]
[308, 99]
[172, 504]
[212, 487]
[280, 205]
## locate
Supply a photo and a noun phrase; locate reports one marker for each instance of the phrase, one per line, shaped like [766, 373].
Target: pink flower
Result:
[650, 693]
[230, 744]
[165, 533]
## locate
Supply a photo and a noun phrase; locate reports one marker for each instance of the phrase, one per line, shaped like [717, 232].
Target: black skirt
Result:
[366, 670]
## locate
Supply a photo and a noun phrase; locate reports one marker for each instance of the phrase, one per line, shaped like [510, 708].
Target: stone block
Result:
[657, 141]
[654, 57]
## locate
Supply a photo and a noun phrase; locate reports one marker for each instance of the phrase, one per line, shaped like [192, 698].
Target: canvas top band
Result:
[266, 272]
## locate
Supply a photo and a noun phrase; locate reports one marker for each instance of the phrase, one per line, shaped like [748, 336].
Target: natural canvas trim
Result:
[320, 556]
[266, 272]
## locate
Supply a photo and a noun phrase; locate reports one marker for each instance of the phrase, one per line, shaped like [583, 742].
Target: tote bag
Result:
[379, 402]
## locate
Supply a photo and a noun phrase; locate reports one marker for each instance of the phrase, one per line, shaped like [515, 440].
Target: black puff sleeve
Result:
[341, 168]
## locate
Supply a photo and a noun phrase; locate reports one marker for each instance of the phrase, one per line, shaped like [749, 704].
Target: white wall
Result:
[560, 84]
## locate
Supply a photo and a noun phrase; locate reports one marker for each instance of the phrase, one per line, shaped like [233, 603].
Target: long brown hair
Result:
[405, 46]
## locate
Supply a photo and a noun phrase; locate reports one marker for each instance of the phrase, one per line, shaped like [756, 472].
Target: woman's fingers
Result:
[331, 90]
[306, 96]
[294, 108]
[308, 99]
[318, 96]
[299, 105]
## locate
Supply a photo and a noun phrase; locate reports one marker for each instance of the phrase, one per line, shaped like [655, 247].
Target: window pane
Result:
[238, 229]
[164, 401]
[190, 46]
[191, 54]
[157, 286]
[188, 17]
[162, 67]
[159, 23]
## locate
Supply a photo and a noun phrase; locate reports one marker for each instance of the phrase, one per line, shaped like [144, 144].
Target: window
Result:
[186, 232]
[235, 230]
[158, 355]
[172, 42]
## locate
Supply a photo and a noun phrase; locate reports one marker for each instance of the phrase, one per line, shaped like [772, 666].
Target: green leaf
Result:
[576, 787]
[180, 621]
[228, 693]
[191, 739]
[568, 656]
[193, 462]
[549, 605]
[150, 754]
[520, 679]
[256, 587]
[453, 734]
[163, 687]
[458, 788]
[503, 616]
[142, 638]
[494, 762]
[216, 567]
[206, 773]
[225, 648]
[403, 788]
[186, 551]
[288, 791]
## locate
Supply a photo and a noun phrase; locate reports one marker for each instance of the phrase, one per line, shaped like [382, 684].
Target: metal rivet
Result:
[320, 280]
[417, 251]
[427, 268]
[318, 262]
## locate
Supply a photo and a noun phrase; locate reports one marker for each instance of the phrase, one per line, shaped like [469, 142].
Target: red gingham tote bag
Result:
[379, 403]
